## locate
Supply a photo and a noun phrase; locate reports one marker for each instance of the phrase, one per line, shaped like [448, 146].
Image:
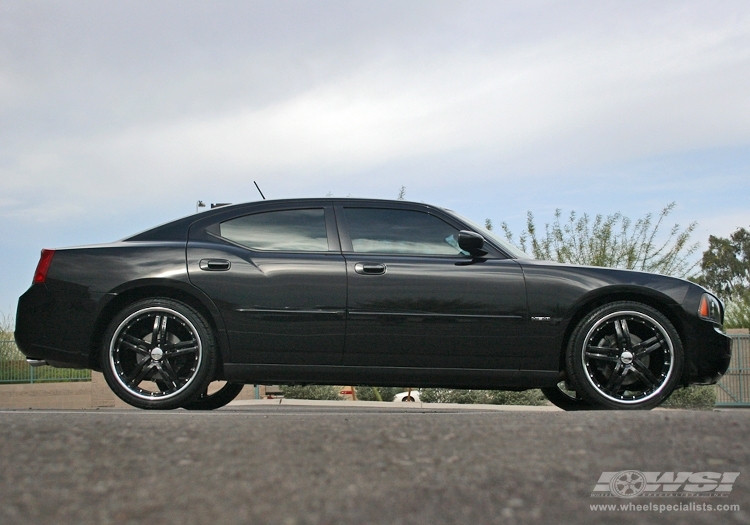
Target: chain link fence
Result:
[734, 388]
[15, 369]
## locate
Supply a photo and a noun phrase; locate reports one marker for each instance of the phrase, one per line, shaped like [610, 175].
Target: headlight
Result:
[710, 309]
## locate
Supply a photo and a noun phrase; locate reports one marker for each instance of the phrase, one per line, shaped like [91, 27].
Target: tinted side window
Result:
[285, 230]
[378, 230]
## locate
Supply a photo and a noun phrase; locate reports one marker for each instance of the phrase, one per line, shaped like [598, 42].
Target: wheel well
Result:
[136, 294]
[591, 305]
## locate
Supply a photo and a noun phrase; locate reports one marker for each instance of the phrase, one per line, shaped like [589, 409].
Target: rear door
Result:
[416, 300]
[278, 277]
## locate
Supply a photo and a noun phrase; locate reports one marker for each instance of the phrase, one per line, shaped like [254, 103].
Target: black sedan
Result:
[361, 292]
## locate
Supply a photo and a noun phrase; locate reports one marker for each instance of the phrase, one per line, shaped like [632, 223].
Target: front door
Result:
[416, 300]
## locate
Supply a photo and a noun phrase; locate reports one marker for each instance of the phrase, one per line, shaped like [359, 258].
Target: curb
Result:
[391, 405]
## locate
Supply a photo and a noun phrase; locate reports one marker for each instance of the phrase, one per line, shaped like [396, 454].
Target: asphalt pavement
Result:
[296, 464]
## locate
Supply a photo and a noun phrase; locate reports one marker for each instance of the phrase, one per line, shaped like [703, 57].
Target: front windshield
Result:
[493, 238]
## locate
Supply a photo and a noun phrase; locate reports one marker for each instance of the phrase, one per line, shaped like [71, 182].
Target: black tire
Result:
[568, 400]
[158, 354]
[218, 399]
[408, 399]
[625, 355]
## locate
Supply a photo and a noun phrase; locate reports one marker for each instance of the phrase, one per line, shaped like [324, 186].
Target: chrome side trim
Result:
[429, 314]
[282, 311]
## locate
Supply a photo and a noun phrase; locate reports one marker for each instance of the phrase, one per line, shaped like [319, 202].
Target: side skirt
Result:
[391, 376]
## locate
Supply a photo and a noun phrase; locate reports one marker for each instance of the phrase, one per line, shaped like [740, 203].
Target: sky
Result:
[118, 116]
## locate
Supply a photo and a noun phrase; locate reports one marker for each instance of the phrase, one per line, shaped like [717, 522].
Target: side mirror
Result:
[471, 242]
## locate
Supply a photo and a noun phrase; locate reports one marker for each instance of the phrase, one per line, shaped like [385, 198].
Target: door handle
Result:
[369, 268]
[214, 265]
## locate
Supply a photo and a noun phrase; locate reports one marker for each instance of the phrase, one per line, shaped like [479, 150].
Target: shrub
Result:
[318, 392]
[695, 397]
[488, 397]
[367, 393]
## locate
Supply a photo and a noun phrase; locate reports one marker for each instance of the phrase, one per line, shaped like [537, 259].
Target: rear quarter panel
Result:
[56, 320]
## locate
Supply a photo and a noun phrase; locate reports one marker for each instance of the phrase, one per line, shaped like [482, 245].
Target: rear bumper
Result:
[55, 328]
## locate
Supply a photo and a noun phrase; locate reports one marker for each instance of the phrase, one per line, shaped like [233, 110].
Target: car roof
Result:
[177, 230]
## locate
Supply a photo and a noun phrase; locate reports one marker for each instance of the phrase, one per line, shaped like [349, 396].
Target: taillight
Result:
[40, 275]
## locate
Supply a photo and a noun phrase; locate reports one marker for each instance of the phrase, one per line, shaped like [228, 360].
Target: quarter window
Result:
[285, 230]
[380, 230]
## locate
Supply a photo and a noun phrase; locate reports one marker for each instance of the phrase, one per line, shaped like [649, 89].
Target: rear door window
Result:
[283, 230]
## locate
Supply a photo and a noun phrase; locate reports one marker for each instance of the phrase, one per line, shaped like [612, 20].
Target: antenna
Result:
[261, 193]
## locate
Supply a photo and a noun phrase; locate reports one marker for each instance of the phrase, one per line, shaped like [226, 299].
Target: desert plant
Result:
[490, 397]
[695, 397]
[367, 393]
[318, 392]
[613, 241]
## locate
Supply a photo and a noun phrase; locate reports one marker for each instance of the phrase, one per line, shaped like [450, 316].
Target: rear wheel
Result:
[158, 354]
[215, 396]
[625, 355]
[560, 396]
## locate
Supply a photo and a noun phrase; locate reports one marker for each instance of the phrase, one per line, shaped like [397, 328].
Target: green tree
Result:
[725, 266]
[725, 270]
[8, 350]
[737, 313]
[613, 241]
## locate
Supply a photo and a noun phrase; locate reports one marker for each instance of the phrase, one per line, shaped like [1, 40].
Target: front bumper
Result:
[710, 352]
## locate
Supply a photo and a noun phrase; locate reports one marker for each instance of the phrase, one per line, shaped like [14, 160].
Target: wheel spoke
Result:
[644, 374]
[646, 347]
[169, 375]
[155, 331]
[603, 352]
[135, 344]
[139, 373]
[163, 331]
[623, 334]
[616, 379]
[181, 348]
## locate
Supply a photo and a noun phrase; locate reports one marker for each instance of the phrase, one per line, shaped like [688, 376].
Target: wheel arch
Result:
[146, 289]
[663, 303]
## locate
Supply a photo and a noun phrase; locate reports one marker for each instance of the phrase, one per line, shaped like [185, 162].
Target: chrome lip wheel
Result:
[155, 353]
[628, 357]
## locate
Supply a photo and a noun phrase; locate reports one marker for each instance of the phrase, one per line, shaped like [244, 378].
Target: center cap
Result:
[157, 353]
[626, 357]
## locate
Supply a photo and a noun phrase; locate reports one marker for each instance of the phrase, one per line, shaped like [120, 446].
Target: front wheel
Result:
[158, 354]
[625, 355]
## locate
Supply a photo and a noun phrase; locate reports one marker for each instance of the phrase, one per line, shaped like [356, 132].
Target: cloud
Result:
[566, 100]
[118, 116]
